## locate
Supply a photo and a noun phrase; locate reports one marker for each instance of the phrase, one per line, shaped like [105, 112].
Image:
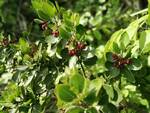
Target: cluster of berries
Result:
[79, 47]
[5, 42]
[120, 62]
[44, 26]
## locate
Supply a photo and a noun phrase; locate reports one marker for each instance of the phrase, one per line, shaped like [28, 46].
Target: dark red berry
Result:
[55, 33]
[114, 56]
[120, 62]
[80, 46]
[128, 61]
[5, 42]
[72, 52]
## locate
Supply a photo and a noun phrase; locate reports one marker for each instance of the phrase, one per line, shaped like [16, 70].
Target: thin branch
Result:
[139, 12]
[81, 66]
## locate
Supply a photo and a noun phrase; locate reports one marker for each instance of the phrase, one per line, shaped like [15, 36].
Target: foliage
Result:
[65, 71]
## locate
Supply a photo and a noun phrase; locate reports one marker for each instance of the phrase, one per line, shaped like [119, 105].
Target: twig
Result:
[81, 66]
[139, 12]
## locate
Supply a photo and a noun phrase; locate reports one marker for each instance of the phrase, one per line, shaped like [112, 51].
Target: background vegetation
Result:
[74, 56]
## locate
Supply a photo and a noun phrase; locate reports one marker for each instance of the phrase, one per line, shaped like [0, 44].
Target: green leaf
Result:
[36, 4]
[109, 57]
[135, 65]
[114, 38]
[90, 61]
[116, 48]
[97, 35]
[5, 77]
[72, 61]
[148, 61]
[91, 97]
[75, 110]
[128, 74]
[96, 84]
[38, 21]
[91, 110]
[144, 41]
[64, 93]
[93, 90]
[2, 68]
[117, 94]
[109, 90]
[109, 108]
[7, 98]
[132, 29]
[147, 48]
[77, 82]
[49, 9]
[42, 15]
[23, 46]
[45, 9]
[114, 72]
[80, 29]
[124, 40]
[148, 20]
[64, 33]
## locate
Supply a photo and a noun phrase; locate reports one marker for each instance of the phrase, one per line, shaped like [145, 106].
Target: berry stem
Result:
[80, 62]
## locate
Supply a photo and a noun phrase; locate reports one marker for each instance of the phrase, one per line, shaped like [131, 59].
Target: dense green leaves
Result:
[91, 110]
[93, 90]
[75, 110]
[77, 82]
[128, 74]
[23, 45]
[90, 61]
[64, 93]
[39, 74]
[109, 90]
[144, 41]
[109, 57]
[45, 9]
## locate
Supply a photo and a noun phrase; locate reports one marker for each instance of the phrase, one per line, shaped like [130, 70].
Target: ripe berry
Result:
[5, 42]
[115, 57]
[80, 46]
[55, 33]
[72, 52]
[128, 61]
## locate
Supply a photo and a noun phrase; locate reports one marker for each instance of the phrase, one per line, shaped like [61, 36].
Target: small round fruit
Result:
[80, 46]
[55, 33]
[5, 42]
[72, 52]
[115, 57]
[128, 61]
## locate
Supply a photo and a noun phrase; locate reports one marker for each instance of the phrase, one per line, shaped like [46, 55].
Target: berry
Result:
[80, 46]
[5, 42]
[72, 52]
[115, 57]
[120, 62]
[55, 33]
[128, 61]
